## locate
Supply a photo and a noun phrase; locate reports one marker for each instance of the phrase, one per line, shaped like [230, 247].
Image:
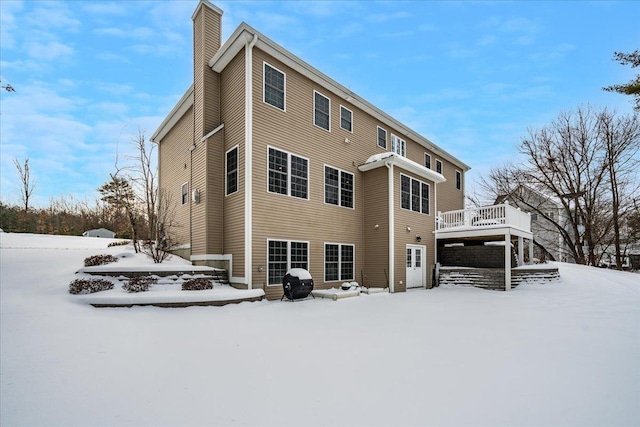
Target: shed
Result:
[100, 232]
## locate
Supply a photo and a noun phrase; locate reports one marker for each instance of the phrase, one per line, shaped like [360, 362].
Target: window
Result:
[274, 84]
[283, 255]
[382, 138]
[185, 193]
[338, 262]
[338, 187]
[288, 174]
[321, 109]
[414, 195]
[427, 161]
[438, 166]
[398, 145]
[458, 180]
[346, 119]
[232, 170]
[534, 217]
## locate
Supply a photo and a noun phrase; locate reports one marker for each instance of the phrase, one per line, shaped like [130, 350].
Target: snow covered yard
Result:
[563, 354]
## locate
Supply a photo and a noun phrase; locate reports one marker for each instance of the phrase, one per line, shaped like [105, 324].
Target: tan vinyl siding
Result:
[449, 197]
[214, 197]
[232, 111]
[198, 210]
[421, 225]
[174, 159]
[376, 239]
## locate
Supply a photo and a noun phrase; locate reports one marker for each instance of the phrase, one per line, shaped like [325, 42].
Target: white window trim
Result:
[441, 166]
[288, 256]
[226, 169]
[264, 63]
[314, 111]
[182, 193]
[425, 160]
[324, 262]
[378, 129]
[324, 184]
[458, 173]
[410, 187]
[341, 108]
[289, 153]
[403, 144]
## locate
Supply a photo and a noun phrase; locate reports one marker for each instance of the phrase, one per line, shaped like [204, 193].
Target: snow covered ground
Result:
[563, 354]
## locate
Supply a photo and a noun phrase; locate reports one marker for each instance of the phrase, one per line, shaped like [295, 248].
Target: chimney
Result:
[207, 39]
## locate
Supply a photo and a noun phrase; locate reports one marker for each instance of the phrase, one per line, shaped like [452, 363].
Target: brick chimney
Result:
[207, 39]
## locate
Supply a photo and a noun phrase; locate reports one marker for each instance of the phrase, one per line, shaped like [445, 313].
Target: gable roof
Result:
[245, 34]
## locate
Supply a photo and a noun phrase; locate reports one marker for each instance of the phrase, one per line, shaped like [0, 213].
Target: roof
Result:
[384, 159]
[245, 34]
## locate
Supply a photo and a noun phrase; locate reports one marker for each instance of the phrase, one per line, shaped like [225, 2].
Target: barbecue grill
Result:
[297, 284]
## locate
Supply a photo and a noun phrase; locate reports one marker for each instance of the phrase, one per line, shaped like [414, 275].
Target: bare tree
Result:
[621, 140]
[165, 237]
[569, 161]
[143, 175]
[27, 185]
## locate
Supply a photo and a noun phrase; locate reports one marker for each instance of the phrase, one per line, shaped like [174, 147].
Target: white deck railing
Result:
[485, 216]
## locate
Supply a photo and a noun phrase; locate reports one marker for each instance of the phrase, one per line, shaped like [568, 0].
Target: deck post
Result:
[507, 261]
[520, 250]
[530, 251]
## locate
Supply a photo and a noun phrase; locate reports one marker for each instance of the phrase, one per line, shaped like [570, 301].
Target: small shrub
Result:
[99, 260]
[89, 286]
[199, 284]
[118, 243]
[139, 284]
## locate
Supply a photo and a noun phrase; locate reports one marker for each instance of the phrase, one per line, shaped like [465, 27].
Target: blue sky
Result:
[470, 76]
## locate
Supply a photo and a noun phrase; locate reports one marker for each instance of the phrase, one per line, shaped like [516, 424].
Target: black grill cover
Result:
[297, 284]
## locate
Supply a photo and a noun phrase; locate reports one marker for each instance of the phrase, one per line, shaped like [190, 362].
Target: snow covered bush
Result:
[99, 260]
[199, 284]
[89, 286]
[139, 284]
[119, 243]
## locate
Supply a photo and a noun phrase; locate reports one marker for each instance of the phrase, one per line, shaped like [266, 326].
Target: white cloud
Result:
[48, 51]
[54, 15]
[105, 8]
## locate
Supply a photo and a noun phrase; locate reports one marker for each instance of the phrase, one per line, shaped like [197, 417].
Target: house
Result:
[100, 232]
[273, 165]
[546, 212]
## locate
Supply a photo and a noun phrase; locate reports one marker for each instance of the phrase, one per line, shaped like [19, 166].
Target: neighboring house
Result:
[545, 211]
[273, 165]
[100, 232]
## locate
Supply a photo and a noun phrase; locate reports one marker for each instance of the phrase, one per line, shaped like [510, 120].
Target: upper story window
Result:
[382, 138]
[288, 174]
[398, 145]
[321, 111]
[427, 161]
[438, 166]
[274, 86]
[458, 180]
[346, 119]
[414, 195]
[231, 166]
[185, 193]
[338, 187]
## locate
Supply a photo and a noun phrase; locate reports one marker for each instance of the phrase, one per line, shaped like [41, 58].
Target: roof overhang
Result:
[176, 114]
[244, 34]
[388, 159]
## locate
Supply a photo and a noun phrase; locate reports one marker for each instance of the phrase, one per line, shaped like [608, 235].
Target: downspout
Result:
[248, 160]
[392, 233]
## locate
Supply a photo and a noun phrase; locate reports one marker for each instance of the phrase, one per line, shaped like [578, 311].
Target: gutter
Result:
[248, 160]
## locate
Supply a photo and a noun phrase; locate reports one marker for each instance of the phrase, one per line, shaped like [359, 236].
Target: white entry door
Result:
[416, 255]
